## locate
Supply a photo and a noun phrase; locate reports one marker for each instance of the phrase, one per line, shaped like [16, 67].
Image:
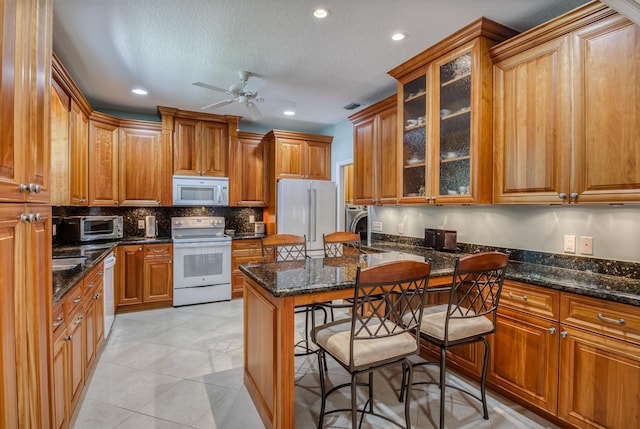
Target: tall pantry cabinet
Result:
[25, 213]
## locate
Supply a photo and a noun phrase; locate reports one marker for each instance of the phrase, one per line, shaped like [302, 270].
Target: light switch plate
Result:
[252, 219]
[140, 223]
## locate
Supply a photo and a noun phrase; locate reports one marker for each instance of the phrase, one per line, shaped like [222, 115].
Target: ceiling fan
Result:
[239, 95]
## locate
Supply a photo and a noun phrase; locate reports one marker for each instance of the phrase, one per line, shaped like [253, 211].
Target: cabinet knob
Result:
[23, 187]
[82, 200]
[564, 334]
[78, 320]
[562, 195]
[96, 296]
[91, 284]
[573, 195]
[59, 321]
[77, 300]
[552, 330]
[68, 338]
[34, 188]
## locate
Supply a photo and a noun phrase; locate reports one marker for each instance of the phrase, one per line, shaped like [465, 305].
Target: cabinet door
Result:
[10, 230]
[387, 151]
[90, 322]
[524, 358]
[607, 111]
[317, 161]
[77, 338]
[103, 164]
[130, 275]
[185, 156]
[532, 125]
[248, 184]
[599, 381]
[213, 142]
[289, 159]
[363, 161]
[158, 280]
[78, 156]
[141, 167]
[60, 381]
[98, 304]
[60, 104]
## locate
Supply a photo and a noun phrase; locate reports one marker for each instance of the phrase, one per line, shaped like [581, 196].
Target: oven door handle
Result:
[202, 244]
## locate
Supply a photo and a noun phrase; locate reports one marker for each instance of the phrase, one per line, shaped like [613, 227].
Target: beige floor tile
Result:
[99, 415]
[141, 421]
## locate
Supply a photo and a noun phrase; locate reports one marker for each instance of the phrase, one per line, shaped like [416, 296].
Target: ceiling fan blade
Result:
[211, 87]
[253, 111]
[218, 104]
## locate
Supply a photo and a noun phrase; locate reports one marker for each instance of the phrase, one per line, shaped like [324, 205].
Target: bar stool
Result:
[285, 248]
[386, 308]
[340, 243]
[468, 318]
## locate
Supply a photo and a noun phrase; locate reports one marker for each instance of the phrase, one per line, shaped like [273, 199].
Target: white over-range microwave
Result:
[200, 191]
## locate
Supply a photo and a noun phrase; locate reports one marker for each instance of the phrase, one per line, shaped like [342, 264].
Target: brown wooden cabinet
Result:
[444, 118]
[78, 155]
[60, 375]
[93, 303]
[300, 156]
[249, 173]
[375, 166]
[76, 327]
[524, 354]
[599, 381]
[103, 160]
[145, 277]
[242, 252]
[158, 273]
[126, 159]
[568, 136]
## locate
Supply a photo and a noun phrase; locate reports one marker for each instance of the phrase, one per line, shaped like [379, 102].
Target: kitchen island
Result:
[271, 293]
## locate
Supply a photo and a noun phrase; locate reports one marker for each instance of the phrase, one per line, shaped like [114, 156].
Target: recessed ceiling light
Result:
[320, 13]
[398, 36]
[139, 91]
[289, 112]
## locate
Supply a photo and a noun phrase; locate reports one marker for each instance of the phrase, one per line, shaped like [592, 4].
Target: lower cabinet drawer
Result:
[605, 317]
[534, 300]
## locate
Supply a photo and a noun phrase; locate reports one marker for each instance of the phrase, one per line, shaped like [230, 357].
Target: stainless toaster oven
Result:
[91, 228]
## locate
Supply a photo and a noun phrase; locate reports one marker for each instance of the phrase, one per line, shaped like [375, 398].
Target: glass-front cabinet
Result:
[445, 118]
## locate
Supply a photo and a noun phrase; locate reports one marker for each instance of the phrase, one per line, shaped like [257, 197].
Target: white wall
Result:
[615, 229]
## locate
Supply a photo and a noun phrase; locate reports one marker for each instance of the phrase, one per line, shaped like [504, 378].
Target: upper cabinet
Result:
[69, 140]
[127, 161]
[300, 156]
[200, 141]
[567, 111]
[249, 173]
[444, 121]
[375, 153]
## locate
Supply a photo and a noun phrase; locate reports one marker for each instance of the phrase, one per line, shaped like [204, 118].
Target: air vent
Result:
[352, 106]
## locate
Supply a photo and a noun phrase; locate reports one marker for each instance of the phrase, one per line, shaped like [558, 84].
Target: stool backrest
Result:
[284, 247]
[340, 243]
[477, 284]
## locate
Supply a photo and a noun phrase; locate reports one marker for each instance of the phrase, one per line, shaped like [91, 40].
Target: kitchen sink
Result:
[61, 264]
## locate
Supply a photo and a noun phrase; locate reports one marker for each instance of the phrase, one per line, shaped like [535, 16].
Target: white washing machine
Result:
[356, 220]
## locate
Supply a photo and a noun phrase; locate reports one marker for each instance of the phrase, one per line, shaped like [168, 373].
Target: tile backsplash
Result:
[235, 217]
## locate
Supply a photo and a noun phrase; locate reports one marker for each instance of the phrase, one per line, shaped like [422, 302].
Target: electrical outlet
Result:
[586, 245]
[252, 219]
[376, 226]
[400, 228]
[140, 223]
[570, 243]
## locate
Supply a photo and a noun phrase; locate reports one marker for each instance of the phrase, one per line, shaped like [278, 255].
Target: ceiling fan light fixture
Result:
[321, 13]
[398, 36]
[139, 91]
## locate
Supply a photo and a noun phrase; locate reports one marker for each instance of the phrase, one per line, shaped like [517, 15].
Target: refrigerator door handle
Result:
[315, 214]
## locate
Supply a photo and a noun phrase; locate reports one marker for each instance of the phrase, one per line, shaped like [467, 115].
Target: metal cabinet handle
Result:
[78, 320]
[564, 334]
[34, 188]
[59, 321]
[158, 250]
[77, 300]
[68, 338]
[610, 320]
[100, 273]
[521, 298]
[91, 284]
[23, 187]
[139, 249]
[552, 330]
[96, 296]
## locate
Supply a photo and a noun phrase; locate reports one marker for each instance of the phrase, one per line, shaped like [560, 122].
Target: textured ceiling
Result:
[111, 46]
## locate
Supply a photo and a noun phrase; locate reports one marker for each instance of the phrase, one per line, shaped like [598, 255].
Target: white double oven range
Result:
[201, 260]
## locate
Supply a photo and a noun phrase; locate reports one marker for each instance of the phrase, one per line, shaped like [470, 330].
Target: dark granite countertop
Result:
[326, 274]
[64, 281]
[612, 288]
[247, 236]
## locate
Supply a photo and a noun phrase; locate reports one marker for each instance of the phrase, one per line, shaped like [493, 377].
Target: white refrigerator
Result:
[307, 207]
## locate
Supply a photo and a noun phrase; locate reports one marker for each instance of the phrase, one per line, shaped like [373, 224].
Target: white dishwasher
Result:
[109, 300]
